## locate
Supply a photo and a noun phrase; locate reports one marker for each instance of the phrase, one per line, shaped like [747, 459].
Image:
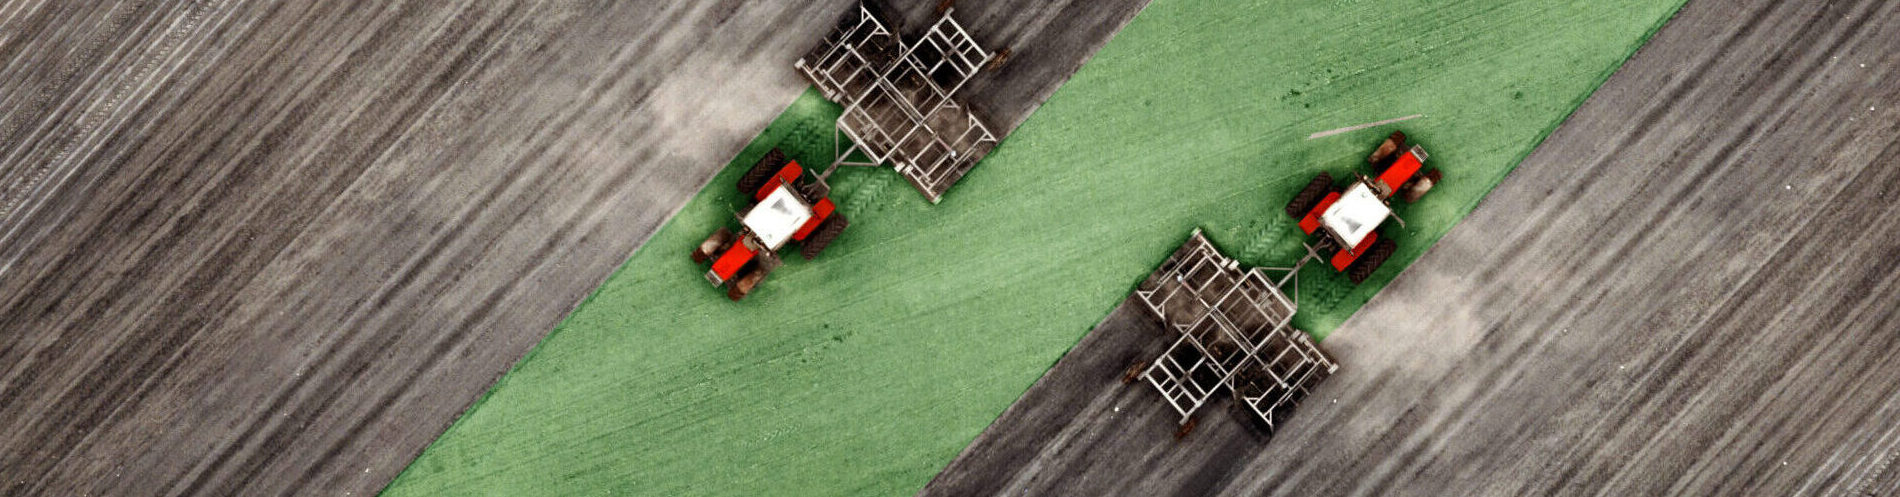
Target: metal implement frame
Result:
[1235, 334]
[898, 98]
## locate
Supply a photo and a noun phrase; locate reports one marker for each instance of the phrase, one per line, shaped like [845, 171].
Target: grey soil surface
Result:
[276, 247]
[1689, 289]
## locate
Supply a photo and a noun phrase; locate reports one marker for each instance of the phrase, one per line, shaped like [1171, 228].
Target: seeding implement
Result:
[1235, 335]
[900, 97]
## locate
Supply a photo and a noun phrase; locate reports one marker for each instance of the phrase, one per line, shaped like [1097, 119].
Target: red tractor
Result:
[787, 206]
[1346, 218]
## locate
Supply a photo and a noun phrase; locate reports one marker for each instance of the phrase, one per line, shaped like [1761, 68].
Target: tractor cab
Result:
[1354, 215]
[776, 218]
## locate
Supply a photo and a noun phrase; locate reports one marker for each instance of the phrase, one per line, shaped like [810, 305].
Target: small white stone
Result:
[1787, 187]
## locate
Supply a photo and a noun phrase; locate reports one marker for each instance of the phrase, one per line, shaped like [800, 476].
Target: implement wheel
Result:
[1186, 428]
[1309, 196]
[1375, 256]
[762, 171]
[997, 61]
[826, 233]
[1134, 372]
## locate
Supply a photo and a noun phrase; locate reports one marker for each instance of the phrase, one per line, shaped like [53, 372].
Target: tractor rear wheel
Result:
[1375, 256]
[1309, 196]
[1388, 148]
[762, 171]
[714, 244]
[827, 232]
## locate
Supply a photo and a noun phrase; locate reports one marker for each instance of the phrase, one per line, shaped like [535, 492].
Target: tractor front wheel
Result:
[1310, 196]
[714, 244]
[1388, 148]
[1375, 256]
[744, 285]
[1417, 188]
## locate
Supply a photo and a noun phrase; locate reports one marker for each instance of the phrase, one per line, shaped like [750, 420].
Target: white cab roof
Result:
[777, 217]
[1355, 214]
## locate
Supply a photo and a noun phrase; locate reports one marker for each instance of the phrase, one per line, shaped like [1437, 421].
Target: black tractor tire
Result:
[826, 233]
[1387, 149]
[1375, 256]
[762, 171]
[1309, 196]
